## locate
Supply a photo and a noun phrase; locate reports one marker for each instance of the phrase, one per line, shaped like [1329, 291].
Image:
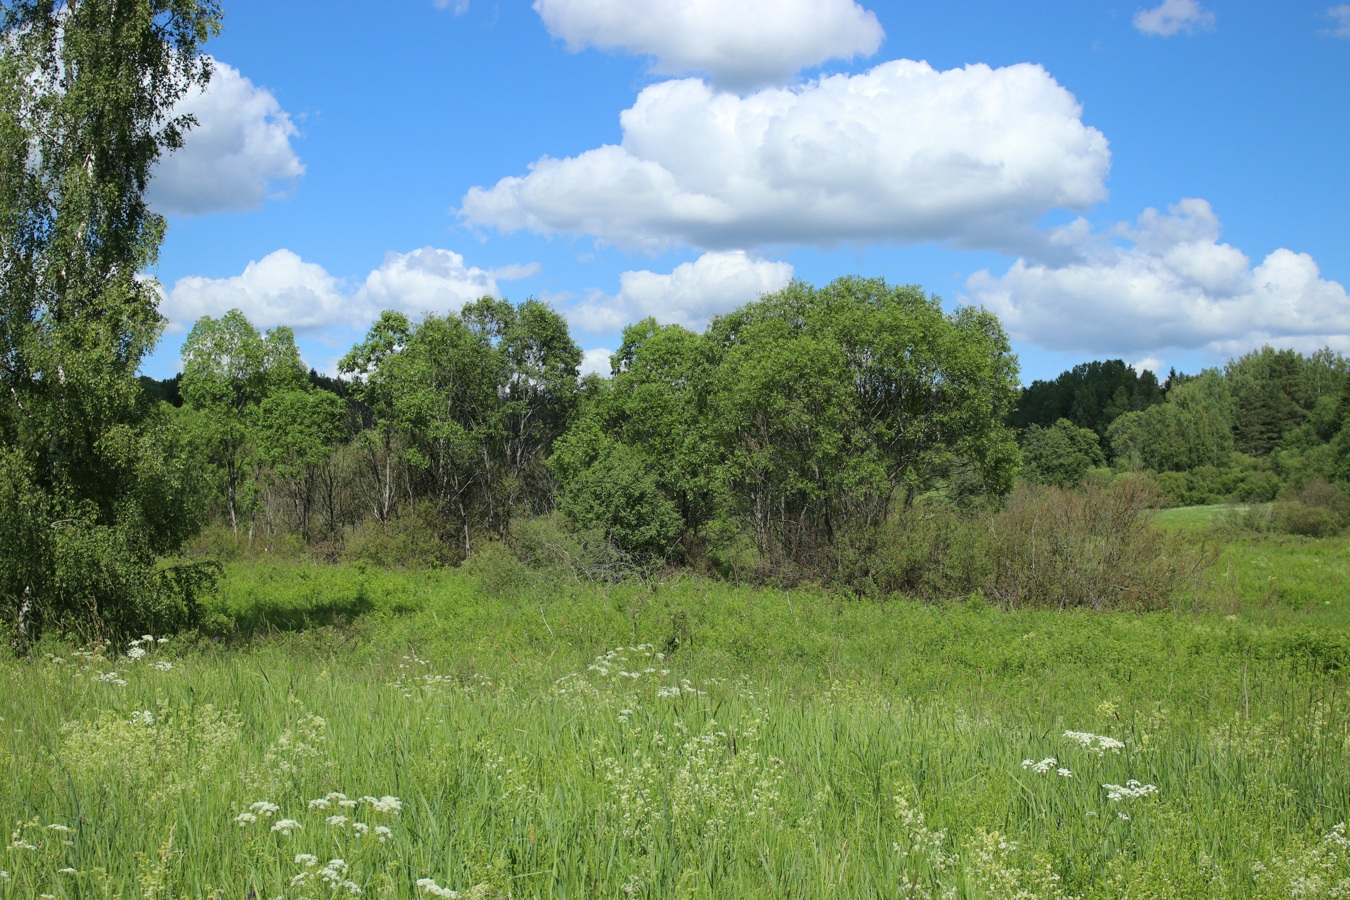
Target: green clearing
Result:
[746, 743]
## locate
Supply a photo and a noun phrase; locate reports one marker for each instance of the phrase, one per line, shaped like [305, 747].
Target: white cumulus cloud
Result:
[234, 157]
[1167, 282]
[690, 295]
[901, 153]
[283, 289]
[595, 361]
[1174, 17]
[744, 44]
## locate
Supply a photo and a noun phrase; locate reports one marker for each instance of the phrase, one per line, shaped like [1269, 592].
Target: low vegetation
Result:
[512, 732]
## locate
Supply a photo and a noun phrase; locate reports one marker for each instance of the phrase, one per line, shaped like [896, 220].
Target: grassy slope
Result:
[785, 745]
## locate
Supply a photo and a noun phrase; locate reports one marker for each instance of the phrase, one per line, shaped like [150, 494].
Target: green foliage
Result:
[1091, 395]
[1060, 455]
[86, 464]
[470, 405]
[1192, 428]
[617, 495]
[801, 415]
[229, 370]
[1093, 548]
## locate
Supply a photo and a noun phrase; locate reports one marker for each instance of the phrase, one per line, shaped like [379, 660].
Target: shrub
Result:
[416, 536]
[1320, 509]
[1094, 547]
[925, 552]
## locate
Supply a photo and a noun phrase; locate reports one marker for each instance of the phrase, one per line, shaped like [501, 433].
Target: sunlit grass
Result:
[412, 735]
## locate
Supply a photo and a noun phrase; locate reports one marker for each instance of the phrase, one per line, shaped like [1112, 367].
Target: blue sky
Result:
[1163, 182]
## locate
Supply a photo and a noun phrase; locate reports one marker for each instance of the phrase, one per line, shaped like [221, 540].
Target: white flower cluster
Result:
[1045, 765]
[429, 886]
[333, 874]
[1098, 743]
[1130, 790]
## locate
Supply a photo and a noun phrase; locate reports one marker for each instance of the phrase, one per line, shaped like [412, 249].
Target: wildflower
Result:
[383, 833]
[57, 827]
[263, 808]
[302, 878]
[1040, 768]
[135, 653]
[308, 860]
[162, 641]
[427, 885]
[1129, 791]
[1063, 773]
[320, 803]
[143, 717]
[385, 804]
[67, 871]
[1102, 742]
[337, 821]
[147, 638]
[162, 665]
[335, 869]
[286, 826]
[245, 818]
[361, 828]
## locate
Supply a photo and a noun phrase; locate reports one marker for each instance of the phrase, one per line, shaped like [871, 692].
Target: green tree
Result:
[1061, 454]
[229, 369]
[86, 471]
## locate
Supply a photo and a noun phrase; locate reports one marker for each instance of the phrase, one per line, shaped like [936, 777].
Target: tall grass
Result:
[676, 740]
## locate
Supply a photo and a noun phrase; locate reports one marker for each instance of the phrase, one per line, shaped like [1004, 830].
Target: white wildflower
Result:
[67, 871]
[337, 821]
[361, 828]
[135, 652]
[147, 638]
[428, 886]
[385, 804]
[1063, 773]
[1097, 743]
[1040, 768]
[263, 808]
[1130, 790]
[143, 717]
[308, 860]
[162, 665]
[383, 833]
[245, 818]
[320, 803]
[301, 878]
[162, 641]
[59, 828]
[286, 826]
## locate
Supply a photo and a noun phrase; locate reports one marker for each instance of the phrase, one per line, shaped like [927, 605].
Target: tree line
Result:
[803, 416]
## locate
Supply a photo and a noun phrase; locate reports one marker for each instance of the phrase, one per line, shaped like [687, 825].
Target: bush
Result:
[1320, 509]
[924, 552]
[1297, 517]
[417, 536]
[1094, 547]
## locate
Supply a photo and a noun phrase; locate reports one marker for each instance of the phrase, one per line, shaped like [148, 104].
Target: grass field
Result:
[437, 734]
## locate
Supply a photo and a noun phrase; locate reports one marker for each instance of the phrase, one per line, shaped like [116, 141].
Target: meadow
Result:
[491, 732]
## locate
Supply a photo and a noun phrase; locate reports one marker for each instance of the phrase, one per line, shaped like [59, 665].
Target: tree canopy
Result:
[91, 471]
